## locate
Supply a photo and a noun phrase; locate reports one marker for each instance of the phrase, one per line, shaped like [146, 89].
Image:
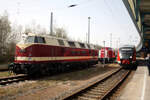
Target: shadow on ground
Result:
[82, 74]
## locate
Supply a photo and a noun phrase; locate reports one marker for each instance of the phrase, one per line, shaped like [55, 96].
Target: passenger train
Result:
[44, 54]
[127, 56]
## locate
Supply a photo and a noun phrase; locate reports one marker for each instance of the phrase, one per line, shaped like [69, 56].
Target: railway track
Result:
[12, 79]
[102, 89]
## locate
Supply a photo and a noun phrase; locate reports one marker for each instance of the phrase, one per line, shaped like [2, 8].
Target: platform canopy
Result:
[145, 13]
[139, 10]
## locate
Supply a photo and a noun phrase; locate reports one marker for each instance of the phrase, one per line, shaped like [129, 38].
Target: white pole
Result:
[89, 30]
[51, 24]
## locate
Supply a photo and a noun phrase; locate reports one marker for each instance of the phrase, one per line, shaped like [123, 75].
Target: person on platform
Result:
[148, 59]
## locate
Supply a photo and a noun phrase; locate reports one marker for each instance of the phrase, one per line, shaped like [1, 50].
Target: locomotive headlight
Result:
[15, 58]
[120, 55]
[130, 56]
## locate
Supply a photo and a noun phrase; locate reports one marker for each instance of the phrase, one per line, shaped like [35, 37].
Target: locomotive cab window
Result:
[30, 39]
[35, 39]
[39, 40]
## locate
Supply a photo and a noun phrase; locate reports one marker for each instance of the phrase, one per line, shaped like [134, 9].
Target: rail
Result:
[12, 79]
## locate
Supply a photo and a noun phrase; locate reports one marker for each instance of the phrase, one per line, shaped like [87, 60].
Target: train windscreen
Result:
[126, 50]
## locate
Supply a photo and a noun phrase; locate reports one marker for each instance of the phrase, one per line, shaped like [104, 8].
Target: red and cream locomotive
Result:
[43, 54]
[127, 56]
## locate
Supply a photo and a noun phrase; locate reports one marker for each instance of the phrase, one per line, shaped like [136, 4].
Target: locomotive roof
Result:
[77, 43]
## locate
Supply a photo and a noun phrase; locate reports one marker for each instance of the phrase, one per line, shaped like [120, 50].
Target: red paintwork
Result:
[125, 61]
[39, 50]
[109, 53]
[118, 57]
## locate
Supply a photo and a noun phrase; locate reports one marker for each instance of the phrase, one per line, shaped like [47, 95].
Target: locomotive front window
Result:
[34, 39]
[30, 39]
[40, 40]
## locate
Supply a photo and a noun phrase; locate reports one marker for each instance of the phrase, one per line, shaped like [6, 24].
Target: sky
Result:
[107, 17]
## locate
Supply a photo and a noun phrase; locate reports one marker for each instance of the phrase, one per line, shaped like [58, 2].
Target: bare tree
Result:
[35, 28]
[61, 32]
[5, 30]
[16, 33]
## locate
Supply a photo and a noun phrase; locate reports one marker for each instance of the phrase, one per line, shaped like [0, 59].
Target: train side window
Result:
[61, 42]
[88, 46]
[71, 44]
[82, 45]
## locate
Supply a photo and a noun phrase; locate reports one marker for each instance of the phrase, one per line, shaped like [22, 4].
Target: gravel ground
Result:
[3, 67]
[5, 74]
[51, 86]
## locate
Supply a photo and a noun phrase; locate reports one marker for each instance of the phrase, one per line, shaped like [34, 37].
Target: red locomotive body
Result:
[106, 54]
[127, 56]
[44, 54]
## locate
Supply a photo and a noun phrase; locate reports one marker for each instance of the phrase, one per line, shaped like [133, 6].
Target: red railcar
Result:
[106, 54]
[45, 54]
[127, 56]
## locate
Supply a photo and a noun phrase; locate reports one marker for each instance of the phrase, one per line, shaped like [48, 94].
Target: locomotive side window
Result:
[88, 46]
[61, 42]
[71, 44]
[82, 45]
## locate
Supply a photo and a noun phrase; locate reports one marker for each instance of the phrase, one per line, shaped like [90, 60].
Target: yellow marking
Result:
[52, 58]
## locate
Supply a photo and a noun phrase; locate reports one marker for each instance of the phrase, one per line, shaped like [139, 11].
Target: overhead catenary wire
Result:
[114, 16]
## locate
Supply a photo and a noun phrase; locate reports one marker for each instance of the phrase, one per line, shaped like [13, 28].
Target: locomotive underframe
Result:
[106, 60]
[48, 68]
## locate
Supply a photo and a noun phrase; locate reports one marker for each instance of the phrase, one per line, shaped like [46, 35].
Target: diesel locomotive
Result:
[106, 54]
[43, 54]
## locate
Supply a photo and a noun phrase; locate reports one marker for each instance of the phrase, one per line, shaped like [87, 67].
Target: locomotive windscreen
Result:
[34, 39]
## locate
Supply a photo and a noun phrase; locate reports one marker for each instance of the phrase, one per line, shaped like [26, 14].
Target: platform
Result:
[138, 87]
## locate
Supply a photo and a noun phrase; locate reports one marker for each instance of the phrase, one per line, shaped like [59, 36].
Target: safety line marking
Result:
[144, 86]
